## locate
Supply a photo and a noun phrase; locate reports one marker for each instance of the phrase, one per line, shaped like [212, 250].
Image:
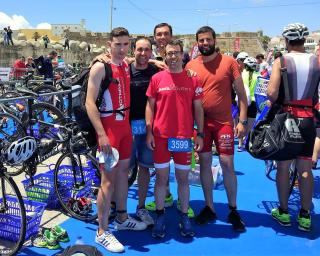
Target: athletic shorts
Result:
[221, 134]
[162, 156]
[141, 152]
[308, 132]
[120, 137]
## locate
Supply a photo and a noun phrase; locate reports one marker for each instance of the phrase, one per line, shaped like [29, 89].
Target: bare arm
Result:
[198, 116]
[243, 103]
[149, 122]
[97, 73]
[275, 80]
[159, 64]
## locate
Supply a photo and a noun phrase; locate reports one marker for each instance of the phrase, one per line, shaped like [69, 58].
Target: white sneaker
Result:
[109, 241]
[144, 215]
[130, 224]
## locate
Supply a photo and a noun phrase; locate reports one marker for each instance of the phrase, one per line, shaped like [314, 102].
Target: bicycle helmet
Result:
[251, 63]
[295, 31]
[242, 56]
[21, 150]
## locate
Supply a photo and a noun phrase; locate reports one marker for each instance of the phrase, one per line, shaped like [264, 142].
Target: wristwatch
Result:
[200, 134]
[244, 122]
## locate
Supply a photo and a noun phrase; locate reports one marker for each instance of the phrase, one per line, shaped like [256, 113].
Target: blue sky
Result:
[185, 16]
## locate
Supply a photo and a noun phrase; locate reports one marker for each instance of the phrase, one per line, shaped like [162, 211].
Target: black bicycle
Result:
[13, 217]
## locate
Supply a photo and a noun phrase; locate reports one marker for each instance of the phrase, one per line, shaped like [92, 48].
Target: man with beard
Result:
[217, 73]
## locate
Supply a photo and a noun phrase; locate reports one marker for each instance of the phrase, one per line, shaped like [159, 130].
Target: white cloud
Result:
[44, 25]
[19, 22]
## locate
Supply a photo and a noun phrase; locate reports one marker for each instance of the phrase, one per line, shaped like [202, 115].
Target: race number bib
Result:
[138, 127]
[179, 145]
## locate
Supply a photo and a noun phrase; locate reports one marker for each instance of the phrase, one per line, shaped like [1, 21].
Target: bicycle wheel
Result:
[11, 129]
[293, 175]
[45, 114]
[77, 182]
[55, 100]
[12, 217]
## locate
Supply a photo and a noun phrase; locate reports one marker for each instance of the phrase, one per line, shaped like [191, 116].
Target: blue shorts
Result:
[141, 152]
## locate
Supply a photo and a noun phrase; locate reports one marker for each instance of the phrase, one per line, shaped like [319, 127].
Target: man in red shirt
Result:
[19, 67]
[173, 98]
[217, 73]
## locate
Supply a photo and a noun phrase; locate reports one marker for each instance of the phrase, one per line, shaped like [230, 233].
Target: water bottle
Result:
[79, 240]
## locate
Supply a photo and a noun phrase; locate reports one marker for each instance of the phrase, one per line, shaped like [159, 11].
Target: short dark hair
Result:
[297, 42]
[277, 54]
[117, 32]
[260, 55]
[162, 25]
[205, 29]
[143, 38]
[53, 53]
[175, 43]
[235, 54]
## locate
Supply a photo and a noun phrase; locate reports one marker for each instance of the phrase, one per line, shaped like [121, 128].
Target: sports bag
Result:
[81, 250]
[277, 137]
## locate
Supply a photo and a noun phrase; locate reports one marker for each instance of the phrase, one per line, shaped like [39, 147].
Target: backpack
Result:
[81, 250]
[79, 109]
[40, 66]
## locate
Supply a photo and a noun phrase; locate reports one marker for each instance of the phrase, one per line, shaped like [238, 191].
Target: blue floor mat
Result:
[256, 197]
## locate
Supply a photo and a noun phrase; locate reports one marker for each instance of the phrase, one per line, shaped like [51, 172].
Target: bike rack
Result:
[31, 98]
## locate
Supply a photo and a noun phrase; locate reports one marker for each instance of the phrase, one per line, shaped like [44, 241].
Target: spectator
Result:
[46, 40]
[66, 43]
[30, 63]
[277, 54]
[19, 67]
[5, 37]
[9, 33]
[89, 48]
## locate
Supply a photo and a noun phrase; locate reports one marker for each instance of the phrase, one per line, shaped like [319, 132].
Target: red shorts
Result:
[120, 137]
[221, 134]
[162, 156]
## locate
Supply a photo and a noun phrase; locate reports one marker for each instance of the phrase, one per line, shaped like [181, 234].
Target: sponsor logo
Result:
[198, 91]
[225, 136]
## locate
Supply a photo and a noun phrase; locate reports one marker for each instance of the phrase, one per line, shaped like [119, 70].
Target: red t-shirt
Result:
[216, 77]
[117, 96]
[174, 94]
[19, 68]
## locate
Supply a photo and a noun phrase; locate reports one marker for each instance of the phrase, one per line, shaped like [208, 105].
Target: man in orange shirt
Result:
[217, 73]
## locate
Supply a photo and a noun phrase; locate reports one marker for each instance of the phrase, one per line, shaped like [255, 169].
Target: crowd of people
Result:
[158, 98]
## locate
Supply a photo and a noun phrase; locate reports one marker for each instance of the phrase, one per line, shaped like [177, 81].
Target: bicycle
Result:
[13, 217]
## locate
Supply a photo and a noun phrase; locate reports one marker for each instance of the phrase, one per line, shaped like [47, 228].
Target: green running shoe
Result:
[168, 202]
[190, 212]
[304, 223]
[60, 233]
[283, 219]
[46, 240]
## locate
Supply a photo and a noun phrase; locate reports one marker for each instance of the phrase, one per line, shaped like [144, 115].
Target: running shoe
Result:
[60, 233]
[186, 228]
[46, 239]
[190, 210]
[144, 216]
[236, 221]
[168, 202]
[109, 242]
[282, 218]
[206, 215]
[304, 223]
[159, 228]
[130, 224]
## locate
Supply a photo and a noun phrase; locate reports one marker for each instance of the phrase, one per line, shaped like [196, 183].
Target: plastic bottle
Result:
[79, 240]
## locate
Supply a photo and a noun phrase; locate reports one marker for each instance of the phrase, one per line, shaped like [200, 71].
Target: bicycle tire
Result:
[46, 112]
[73, 180]
[11, 129]
[4, 244]
[55, 100]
